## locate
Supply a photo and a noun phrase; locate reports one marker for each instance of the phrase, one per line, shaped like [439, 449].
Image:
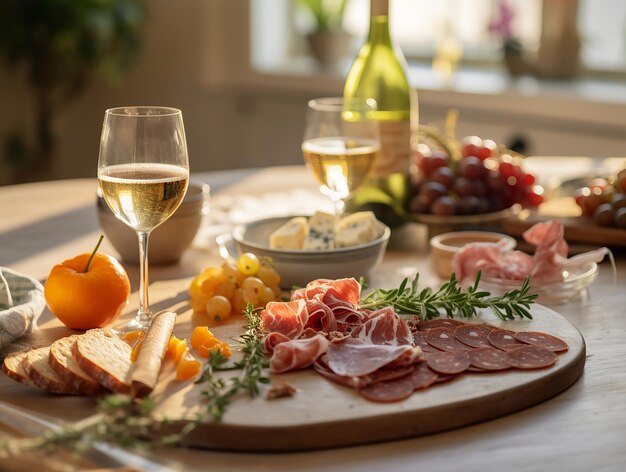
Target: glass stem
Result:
[144, 315]
[340, 206]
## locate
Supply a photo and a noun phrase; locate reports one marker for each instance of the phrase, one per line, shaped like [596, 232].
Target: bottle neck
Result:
[379, 8]
[379, 23]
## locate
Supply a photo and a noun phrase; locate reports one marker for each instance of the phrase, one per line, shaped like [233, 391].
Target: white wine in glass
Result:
[143, 172]
[340, 145]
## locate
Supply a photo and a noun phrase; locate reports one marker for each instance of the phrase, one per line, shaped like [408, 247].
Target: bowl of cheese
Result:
[320, 246]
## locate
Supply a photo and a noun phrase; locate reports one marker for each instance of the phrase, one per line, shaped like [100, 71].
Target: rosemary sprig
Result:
[452, 299]
[120, 420]
[252, 367]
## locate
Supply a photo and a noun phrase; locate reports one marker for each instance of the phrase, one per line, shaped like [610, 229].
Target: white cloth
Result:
[21, 302]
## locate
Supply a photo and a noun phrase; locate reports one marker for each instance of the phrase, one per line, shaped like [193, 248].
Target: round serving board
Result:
[323, 414]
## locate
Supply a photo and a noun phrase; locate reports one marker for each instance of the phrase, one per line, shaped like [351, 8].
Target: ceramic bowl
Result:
[297, 268]
[444, 246]
[168, 241]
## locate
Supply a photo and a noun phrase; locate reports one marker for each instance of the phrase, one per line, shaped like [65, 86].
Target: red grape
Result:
[444, 176]
[463, 187]
[472, 168]
[433, 190]
[470, 145]
[443, 206]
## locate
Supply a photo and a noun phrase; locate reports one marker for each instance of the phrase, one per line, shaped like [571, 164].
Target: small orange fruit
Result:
[88, 291]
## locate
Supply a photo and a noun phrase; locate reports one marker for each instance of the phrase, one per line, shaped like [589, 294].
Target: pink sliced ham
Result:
[353, 358]
[287, 318]
[297, 353]
[320, 316]
[546, 265]
[271, 340]
[384, 327]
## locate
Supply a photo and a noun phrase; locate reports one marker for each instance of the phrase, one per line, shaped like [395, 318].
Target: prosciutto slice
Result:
[287, 318]
[320, 316]
[384, 327]
[352, 357]
[297, 353]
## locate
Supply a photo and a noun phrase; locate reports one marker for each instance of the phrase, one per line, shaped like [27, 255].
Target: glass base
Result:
[140, 322]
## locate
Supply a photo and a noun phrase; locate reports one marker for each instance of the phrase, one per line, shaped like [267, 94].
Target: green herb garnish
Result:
[452, 299]
[219, 391]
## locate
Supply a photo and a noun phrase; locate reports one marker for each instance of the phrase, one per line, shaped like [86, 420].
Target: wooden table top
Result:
[44, 223]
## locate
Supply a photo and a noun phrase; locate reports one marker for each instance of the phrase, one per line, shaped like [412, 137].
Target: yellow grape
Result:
[237, 301]
[218, 307]
[268, 275]
[195, 288]
[230, 271]
[225, 288]
[250, 296]
[198, 302]
[248, 264]
[253, 284]
[277, 291]
[212, 281]
[267, 295]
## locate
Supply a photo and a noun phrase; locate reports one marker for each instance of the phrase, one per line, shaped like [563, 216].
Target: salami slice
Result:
[390, 373]
[419, 337]
[545, 340]
[422, 376]
[503, 339]
[392, 391]
[489, 358]
[448, 362]
[439, 323]
[531, 357]
[474, 335]
[443, 338]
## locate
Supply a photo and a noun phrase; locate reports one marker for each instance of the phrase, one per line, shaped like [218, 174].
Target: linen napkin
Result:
[21, 303]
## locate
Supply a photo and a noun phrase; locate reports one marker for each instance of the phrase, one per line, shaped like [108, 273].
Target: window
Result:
[418, 25]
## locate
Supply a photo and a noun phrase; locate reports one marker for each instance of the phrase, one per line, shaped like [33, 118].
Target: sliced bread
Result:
[105, 357]
[12, 367]
[64, 364]
[35, 363]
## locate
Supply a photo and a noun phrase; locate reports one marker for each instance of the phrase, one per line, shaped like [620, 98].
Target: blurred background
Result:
[546, 77]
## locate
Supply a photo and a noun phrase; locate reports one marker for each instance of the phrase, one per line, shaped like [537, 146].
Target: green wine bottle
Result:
[379, 72]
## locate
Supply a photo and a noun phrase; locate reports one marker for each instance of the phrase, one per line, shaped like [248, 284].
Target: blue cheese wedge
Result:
[358, 228]
[291, 235]
[321, 232]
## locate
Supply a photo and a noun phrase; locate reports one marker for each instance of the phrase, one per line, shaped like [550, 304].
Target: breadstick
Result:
[145, 371]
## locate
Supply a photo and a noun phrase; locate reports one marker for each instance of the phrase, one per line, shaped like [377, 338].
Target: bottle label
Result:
[395, 148]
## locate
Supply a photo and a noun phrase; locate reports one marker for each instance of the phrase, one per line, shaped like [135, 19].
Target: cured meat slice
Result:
[272, 340]
[287, 318]
[503, 339]
[443, 338]
[392, 373]
[419, 338]
[448, 362]
[531, 357]
[545, 340]
[321, 367]
[384, 327]
[473, 335]
[320, 317]
[297, 353]
[386, 392]
[422, 376]
[439, 323]
[352, 357]
[489, 358]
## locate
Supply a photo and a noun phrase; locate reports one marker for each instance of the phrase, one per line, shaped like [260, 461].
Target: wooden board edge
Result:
[390, 427]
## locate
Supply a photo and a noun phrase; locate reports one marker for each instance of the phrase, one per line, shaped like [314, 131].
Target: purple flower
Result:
[502, 23]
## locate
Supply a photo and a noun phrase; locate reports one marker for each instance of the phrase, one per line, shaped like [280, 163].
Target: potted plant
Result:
[60, 45]
[328, 41]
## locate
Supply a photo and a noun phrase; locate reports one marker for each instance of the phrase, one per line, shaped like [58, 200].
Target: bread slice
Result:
[35, 363]
[105, 357]
[12, 367]
[64, 364]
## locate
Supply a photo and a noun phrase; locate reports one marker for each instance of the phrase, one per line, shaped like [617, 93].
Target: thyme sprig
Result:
[218, 391]
[451, 299]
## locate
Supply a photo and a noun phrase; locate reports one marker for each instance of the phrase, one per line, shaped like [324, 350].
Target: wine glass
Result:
[143, 172]
[341, 142]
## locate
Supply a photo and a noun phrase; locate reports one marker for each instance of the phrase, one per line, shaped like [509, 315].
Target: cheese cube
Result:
[291, 235]
[358, 228]
[321, 232]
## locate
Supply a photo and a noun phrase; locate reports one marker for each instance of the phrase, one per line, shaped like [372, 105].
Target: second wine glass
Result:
[340, 145]
[143, 172]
